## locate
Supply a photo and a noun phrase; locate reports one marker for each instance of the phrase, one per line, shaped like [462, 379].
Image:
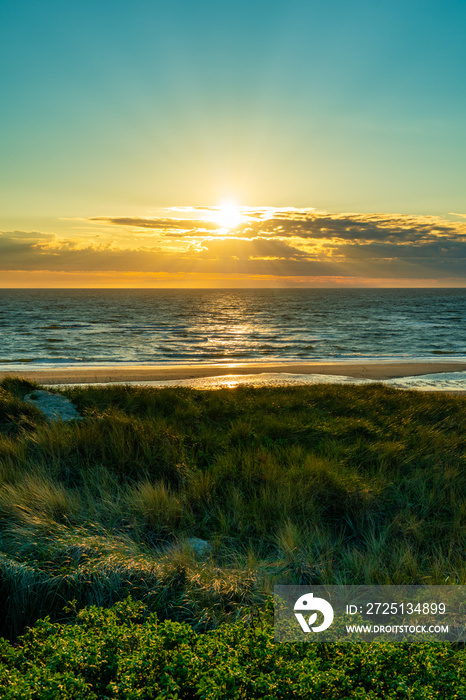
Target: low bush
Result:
[124, 652]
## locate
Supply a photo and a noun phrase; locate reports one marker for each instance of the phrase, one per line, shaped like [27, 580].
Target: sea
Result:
[110, 327]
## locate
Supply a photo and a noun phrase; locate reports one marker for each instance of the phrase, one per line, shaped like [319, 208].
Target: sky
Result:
[209, 144]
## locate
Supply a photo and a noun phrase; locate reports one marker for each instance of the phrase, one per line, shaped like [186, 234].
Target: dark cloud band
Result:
[289, 243]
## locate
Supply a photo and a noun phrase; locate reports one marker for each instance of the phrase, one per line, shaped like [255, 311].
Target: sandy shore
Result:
[144, 373]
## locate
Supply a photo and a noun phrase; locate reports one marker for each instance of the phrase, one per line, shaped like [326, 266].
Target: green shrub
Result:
[124, 652]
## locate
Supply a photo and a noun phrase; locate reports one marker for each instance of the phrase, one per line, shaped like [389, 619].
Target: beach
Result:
[124, 373]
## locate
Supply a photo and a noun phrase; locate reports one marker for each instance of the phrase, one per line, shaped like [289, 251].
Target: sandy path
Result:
[142, 373]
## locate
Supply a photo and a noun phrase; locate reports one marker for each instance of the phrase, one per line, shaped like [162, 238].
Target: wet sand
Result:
[143, 373]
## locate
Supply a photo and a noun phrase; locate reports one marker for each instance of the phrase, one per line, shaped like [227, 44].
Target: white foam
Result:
[441, 381]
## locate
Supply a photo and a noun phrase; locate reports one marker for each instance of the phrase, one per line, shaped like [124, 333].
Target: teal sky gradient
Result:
[117, 108]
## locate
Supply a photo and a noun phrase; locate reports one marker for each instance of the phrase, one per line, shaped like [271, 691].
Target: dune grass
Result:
[318, 484]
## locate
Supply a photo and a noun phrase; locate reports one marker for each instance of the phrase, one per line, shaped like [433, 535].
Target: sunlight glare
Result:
[228, 215]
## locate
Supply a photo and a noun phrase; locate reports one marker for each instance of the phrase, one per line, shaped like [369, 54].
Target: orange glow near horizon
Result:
[139, 280]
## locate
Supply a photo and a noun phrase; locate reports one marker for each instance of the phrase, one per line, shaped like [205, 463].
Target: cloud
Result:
[359, 227]
[307, 224]
[443, 249]
[246, 250]
[159, 224]
[21, 250]
[286, 242]
[32, 236]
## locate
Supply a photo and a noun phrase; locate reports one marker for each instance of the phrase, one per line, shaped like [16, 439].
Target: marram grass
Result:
[320, 484]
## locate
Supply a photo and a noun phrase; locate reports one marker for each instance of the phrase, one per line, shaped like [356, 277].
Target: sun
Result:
[227, 215]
